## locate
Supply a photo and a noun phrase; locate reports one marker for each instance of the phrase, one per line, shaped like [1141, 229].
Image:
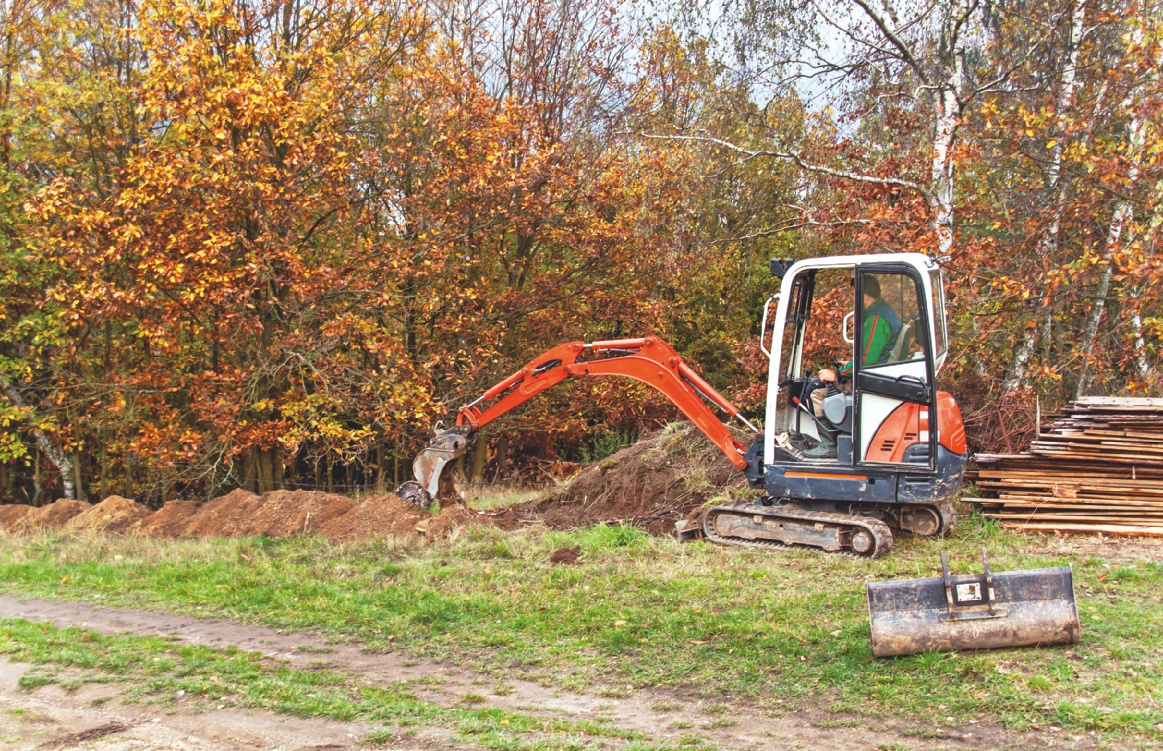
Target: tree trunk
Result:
[1057, 190]
[948, 111]
[80, 487]
[59, 459]
[37, 488]
[1124, 212]
[1017, 370]
[1141, 365]
[502, 456]
[480, 456]
[381, 474]
[249, 472]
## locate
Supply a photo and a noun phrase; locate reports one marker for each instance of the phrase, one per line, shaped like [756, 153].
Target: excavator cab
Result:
[878, 321]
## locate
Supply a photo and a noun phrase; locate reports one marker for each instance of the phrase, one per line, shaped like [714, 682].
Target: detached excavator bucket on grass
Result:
[1035, 607]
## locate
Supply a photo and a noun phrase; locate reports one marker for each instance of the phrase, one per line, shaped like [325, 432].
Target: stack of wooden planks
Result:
[1097, 467]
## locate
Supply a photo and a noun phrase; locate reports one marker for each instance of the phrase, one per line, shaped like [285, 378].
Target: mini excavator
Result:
[897, 447]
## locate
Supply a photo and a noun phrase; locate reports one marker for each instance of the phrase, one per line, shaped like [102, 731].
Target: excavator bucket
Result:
[1034, 607]
[432, 482]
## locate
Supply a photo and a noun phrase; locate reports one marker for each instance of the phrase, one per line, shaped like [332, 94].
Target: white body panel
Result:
[873, 411]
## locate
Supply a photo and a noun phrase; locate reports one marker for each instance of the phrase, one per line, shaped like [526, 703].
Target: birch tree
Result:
[867, 56]
[1057, 190]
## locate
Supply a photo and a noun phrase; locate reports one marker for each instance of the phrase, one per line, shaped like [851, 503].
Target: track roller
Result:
[790, 526]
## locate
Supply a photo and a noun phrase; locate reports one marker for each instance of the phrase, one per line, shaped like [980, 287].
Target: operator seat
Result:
[903, 340]
[838, 410]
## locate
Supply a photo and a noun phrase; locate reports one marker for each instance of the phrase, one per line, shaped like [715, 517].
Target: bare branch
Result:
[890, 35]
[790, 226]
[799, 161]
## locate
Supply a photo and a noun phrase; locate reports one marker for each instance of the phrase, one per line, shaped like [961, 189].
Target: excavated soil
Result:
[223, 516]
[114, 514]
[55, 514]
[286, 513]
[171, 520]
[12, 516]
[385, 515]
[651, 484]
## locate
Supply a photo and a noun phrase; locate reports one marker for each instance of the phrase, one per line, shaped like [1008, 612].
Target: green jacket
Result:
[881, 327]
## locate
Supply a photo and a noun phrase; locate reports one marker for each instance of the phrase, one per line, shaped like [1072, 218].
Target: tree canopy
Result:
[272, 242]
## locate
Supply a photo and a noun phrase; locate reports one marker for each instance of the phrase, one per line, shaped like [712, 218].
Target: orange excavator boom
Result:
[649, 360]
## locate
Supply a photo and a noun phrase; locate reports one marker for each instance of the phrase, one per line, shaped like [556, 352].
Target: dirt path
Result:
[54, 716]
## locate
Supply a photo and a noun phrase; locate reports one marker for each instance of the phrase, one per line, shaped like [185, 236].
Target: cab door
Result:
[893, 370]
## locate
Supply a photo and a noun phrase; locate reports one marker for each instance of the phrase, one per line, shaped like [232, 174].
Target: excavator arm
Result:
[649, 360]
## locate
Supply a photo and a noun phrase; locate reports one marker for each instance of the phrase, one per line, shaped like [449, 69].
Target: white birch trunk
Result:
[59, 459]
[1058, 189]
[1124, 212]
[948, 112]
[1141, 365]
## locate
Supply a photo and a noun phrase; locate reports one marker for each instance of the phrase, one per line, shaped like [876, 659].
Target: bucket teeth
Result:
[432, 483]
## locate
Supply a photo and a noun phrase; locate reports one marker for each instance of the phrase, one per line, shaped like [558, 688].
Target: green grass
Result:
[156, 670]
[486, 497]
[641, 611]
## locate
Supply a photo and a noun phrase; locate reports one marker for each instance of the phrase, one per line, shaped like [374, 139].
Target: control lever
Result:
[809, 413]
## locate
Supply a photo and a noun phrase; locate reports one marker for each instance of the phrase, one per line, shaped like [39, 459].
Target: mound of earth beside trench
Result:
[114, 514]
[651, 484]
[55, 515]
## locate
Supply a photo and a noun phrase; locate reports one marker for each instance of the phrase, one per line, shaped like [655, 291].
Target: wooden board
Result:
[1095, 466]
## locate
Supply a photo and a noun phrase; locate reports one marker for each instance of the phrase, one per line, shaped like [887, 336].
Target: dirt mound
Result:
[223, 516]
[285, 513]
[386, 515]
[566, 556]
[114, 514]
[451, 520]
[55, 514]
[12, 516]
[651, 484]
[170, 521]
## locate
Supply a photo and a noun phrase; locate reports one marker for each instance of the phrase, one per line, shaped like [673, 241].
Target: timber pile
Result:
[1097, 467]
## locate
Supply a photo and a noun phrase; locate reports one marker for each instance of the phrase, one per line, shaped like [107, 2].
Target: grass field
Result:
[776, 630]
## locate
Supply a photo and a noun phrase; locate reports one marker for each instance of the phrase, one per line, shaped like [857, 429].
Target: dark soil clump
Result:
[650, 484]
[566, 556]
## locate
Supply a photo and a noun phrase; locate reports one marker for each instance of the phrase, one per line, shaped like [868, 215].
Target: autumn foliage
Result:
[270, 243]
